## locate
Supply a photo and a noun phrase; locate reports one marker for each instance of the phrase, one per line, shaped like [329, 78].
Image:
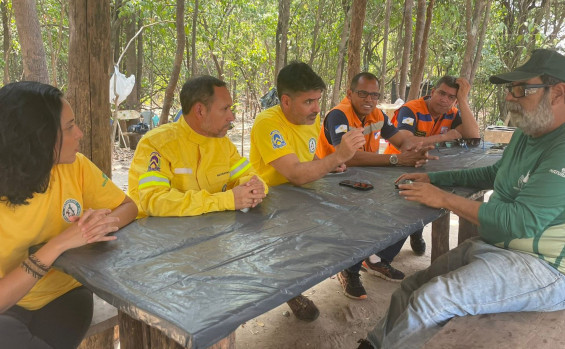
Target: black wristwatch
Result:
[393, 160]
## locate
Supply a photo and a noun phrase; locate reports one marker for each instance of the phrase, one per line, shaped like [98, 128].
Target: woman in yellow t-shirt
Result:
[54, 197]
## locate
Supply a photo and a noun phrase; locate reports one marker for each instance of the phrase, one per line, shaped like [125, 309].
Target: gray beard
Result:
[535, 122]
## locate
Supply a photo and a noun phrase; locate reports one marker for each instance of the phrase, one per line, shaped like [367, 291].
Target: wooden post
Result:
[440, 236]
[135, 334]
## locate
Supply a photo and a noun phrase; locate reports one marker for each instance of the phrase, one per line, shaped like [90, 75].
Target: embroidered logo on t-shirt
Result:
[277, 139]
[522, 181]
[154, 162]
[71, 207]
[312, 145]
[559, 173]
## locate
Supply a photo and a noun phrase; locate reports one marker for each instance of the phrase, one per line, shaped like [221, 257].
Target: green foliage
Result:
[235, 39]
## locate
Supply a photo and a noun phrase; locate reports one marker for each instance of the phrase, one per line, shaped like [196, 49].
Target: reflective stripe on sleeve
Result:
[149, 179]
[239, 168]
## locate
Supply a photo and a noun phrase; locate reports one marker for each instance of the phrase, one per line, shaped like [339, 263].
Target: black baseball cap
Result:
[542, 62]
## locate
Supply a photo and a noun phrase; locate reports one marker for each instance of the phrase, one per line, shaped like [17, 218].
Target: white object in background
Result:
[123, 86]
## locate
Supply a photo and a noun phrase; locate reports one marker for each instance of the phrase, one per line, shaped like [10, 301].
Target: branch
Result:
[135, 36]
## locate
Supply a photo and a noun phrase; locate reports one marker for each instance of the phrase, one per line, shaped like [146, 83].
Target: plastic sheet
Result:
[198, 278]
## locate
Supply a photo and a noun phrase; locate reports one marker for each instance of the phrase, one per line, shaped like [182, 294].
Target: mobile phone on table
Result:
[356, 185]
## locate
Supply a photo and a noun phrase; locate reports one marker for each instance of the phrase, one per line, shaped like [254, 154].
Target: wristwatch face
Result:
[393, 159]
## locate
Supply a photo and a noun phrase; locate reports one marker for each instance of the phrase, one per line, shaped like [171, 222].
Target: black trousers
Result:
[61, 324]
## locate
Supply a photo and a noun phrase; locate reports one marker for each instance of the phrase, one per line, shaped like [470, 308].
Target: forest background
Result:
[75, 45]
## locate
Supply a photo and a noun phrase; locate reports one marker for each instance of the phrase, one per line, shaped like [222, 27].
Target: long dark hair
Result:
[30, 129]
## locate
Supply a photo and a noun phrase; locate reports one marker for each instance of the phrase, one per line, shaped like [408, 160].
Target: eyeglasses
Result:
[363, 94]
[523, 90]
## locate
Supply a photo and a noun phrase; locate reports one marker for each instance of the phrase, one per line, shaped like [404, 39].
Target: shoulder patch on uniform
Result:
[154, 162]
[341, 128]
[408, 121]
[106, 179]
[277, 139]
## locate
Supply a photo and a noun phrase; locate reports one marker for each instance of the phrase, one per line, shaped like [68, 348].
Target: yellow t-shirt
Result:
[273, 136]
[72, 189]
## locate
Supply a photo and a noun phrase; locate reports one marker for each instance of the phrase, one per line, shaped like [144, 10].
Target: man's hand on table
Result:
[249, 194]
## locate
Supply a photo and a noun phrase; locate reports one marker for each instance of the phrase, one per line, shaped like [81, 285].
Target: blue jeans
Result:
[474, 278]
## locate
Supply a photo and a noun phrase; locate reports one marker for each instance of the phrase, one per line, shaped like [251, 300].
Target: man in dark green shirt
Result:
[517, 263]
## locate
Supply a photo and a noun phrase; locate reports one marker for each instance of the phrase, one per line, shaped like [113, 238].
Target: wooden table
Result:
[194, 280]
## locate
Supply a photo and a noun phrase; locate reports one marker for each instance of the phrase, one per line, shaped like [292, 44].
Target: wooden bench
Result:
[101, 334]
[502, 331]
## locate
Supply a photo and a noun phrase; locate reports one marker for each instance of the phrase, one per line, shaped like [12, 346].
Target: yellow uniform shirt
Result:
[72, 189]
[273, 136]
[178, 172]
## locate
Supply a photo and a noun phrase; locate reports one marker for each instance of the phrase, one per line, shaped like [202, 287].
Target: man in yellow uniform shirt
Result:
[283, 144]
[190, 167]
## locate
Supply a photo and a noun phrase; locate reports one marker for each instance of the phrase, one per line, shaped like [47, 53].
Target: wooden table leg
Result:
[440, 236]
[135, 334]
[467, 229]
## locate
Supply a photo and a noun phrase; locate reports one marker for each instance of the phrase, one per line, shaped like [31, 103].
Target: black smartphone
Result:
[356, 185]
[404, 181]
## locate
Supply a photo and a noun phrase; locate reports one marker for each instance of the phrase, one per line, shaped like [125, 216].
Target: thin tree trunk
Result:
[478, 54]
[406, 47]
[314, 48]
[193, 53]
[341, 54]
[29, 32]
[169, 92]
[385, 46]
[7, 39]
[419, 60]
[282, 33]
[355, 35]
[131, 102]
[139, 69]
[89, 79]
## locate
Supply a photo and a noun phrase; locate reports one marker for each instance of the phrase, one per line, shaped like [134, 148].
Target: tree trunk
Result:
[386, 25]
[340, 55]
[193, 53]
[139, 69]
[315, 46]
[131, 102]
[89, 79]
[355, 35]
[171, 86]
[420, 54]
[406, 47]
[479, 50]
[472, 22]
[29, 32]
[7, 39]
[282, 33]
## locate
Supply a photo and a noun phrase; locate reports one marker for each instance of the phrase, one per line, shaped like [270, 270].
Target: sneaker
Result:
[383, 270]
[364, 344]
[418, 245]
[352, 286]
[303, 308]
